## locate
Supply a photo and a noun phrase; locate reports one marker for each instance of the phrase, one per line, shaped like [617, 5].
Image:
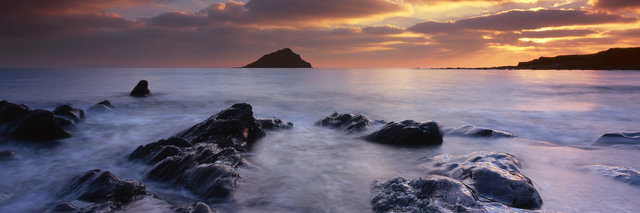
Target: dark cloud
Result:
[315, 9]
[556, 33]
[65, 6]
[179, 20]
[383, 30]
[432, 27]
[615, 5]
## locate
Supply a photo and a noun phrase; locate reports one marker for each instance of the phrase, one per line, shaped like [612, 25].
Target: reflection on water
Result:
[556, 114]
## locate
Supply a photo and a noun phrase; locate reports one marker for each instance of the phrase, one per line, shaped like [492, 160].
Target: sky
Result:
[327, 33]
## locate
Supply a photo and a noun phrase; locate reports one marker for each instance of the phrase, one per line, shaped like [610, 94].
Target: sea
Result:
[555, 114]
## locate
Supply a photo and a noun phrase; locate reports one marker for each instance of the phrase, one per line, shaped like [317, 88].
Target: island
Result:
[284, 58]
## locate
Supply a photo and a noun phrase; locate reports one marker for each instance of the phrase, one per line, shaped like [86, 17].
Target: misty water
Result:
[556, 115]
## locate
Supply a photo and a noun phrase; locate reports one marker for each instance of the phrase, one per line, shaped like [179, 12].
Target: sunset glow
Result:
[330, 33]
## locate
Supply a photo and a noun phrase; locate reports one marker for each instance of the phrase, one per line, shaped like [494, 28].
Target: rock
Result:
[22, 123]
[102, 106]
[474, 131]
[198, 207]
[349, 123]
[495, 176]
[625, 174]
[611, 59]
[431, 194]
[141, 89]
[284, 58]
[274, 123]
[407, 133]
[69, 113]
[105, 191]
[205, 157]
[38, 125]
[8, 154]
[632, 138]
[236, 122]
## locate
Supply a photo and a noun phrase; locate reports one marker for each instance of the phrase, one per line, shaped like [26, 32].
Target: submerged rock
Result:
[102, 106]
[495, 176]
[74, 115]
[274, 123]
[106, 191]
[198, 207]
[407, 133]
[8, 154]
[205, 157]
[474, 131]
[141, 89]
[284, 58]
[624, 174]
[431, 194]
[22, 123]
[346, 122]
[621, 138]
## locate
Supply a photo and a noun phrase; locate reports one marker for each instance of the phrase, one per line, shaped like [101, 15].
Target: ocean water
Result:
[556, 115]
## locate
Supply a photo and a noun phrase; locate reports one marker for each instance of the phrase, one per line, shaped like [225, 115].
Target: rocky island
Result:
[284, 58]
[611, 59]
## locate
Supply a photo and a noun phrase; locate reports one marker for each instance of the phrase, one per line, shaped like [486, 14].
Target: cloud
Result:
[383, 30]
[615, 5]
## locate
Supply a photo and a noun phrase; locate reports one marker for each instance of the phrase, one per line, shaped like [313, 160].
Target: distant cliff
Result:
[611, 59]
[284, 58]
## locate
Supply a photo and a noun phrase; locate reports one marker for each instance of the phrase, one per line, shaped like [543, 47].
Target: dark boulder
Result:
[105, 191]
[22, 123]
[474, 131]
[624, 174]
[236, 122]
[38, 125]
[495, 176]
[631, 138]
[8, 154]
[141, 89]
[274, 123]
[284, 58]
[205, 157]
[431, 194]
[102, 106]
[346, 122]
[69, 113]
[407, 133]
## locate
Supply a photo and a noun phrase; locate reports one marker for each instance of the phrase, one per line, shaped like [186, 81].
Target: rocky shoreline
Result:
[204, 159]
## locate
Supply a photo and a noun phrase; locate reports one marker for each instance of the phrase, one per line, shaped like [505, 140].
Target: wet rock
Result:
[631, 138]
[495, 176]
[205, 157]
[141, 89]
[474, 131]
[274, 123]
[236, 122]
[431, 194]
[69, 113]
[22, 123]
[65, 207]
[346, 122]
[102, 106]
[38, 125]
[104, 191]
[8, 154]
[198, 207]
[407, 133]
[625, 174]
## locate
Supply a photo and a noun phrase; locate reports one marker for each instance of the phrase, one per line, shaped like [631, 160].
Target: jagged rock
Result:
[105, 191]
[205, 157]
[69, 113]
[407, 133]
[495, 176]
[102, 106]
[141, 89]
[284, 58]
[431, 194]
[22, 123]
[474, 131]
[625, 174]
[632, 138]
[274, 123]
[349, 123]
[8, 154]
[231, 127]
